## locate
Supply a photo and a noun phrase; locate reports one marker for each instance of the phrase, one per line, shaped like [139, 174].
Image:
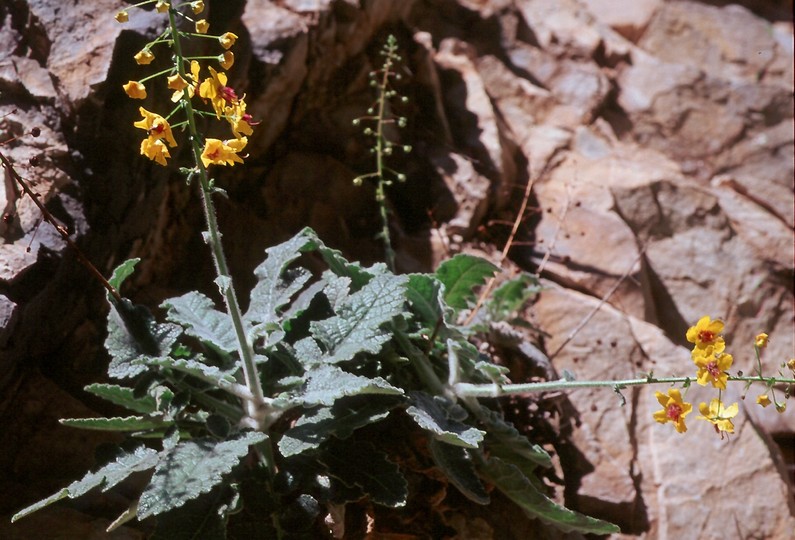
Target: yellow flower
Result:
[144, 57]
[197, 7]
[122, 16]
[202, 26]
[156, 126]
[713, 368]
[179, 84]
[761, 340]
[706, 334]
[674, 409]
[763, 400]
[239, 119]
[161, 6]
[218, 152]
[155, 150]
[227, 39]
[719, 415]
[214, 88]
[791, 364]
[227, 59]
[781, 407]
[135, 90]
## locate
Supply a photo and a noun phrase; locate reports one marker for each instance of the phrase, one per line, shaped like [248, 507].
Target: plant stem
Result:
[257, 406]
[496, 390]
[380, 189]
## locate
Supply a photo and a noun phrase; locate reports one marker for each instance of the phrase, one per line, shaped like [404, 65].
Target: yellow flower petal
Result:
[156, 127]
[144, 57]
[161, 6]
[155, 150]
[202, 26]
[227, 39]
[706, 333]
[763, 400]
[217, 152]
[227, 59]
[135, 90]
[122, 16]
[761, 340]
[674, 409]
[197, 7]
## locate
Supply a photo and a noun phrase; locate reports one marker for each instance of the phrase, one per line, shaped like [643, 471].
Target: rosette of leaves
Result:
[339, 353]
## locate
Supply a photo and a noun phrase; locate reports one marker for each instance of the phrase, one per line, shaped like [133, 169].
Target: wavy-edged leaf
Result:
[512, 295]
[510, 480]
[432, 415]
[126, 423]
[124, 396]
[339, 420]
[211, 374]
[425, 292]
[357, 326]
[363, 466]
[460, 275]
[134, 335]
[338, 264]
[196, 313]
[327, 384]
[455, 463]
[505, 440]
[106, 477]
[192, 468]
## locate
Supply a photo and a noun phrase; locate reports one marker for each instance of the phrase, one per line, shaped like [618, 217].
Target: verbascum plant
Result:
[265, 423]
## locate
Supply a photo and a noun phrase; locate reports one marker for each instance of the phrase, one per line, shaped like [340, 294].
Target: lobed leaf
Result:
[326, 384]
[357, 326]
[127, 423]
[124, 396]
[196, 313]
[106, 477]
[512, 295]
[460, 275]
[432, 415]
[122, 272]
[192, 468]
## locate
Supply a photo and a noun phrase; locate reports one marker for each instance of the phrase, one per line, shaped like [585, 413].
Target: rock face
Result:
[657, 138]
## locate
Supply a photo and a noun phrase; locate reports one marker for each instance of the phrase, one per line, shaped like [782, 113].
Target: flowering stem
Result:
[495, 390]
[257, 405]
[380, 189]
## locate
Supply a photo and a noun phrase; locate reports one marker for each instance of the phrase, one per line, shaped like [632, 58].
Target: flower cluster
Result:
[185, 79]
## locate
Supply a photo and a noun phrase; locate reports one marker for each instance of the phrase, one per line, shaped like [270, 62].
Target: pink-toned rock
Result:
[627, 17]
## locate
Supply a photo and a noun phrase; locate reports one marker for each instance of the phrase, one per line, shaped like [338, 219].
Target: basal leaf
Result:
[460, 275]
[506, 441]
[138, 460]
[357, 326]
[134, 335]
[127, 423]
[191, 468]
[196, 313]
[455, 463]
[339, 420]
[424, 292]
[211, 374]
[363, 466]
[338, 264]
[511, 296]
[121, 395]
[510, 480]
[327, 383]
[431, 414]
[276, 283]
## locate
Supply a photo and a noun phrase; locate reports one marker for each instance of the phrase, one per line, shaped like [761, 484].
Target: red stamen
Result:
[706, 336]
[674, 411]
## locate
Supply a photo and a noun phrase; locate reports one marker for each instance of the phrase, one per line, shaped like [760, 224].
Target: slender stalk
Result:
[496, 390]
[380, 190]
[257, 406]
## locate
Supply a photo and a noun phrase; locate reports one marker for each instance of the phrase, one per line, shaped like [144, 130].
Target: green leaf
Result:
[138, 460]
[425, 292]
[505, 440]
[201, 518]
[339, 420]
[357, 326]
[122, 272]
[276, 284]
[127, 423]
[455, 463]
[510, 480]
[363, 466]
[434, 415]
[327, 384]
[190, 469]
[338, 264]
[197, 315]
[121, 395]
[460, 275]
[211, 374]
[511, 296]
[134, 335]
